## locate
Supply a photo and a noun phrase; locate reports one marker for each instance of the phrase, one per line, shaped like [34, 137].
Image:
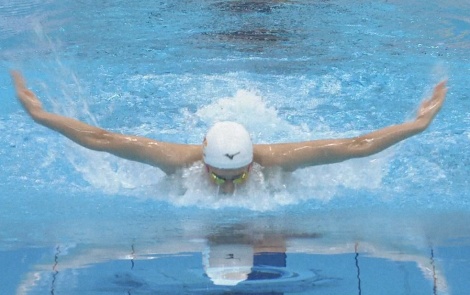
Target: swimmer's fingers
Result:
[27, 98]
[439, 93]
[430, 107]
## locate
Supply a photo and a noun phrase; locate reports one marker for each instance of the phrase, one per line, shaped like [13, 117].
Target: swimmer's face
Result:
[227, 179]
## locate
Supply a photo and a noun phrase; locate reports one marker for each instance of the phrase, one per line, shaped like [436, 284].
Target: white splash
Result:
[249, 108]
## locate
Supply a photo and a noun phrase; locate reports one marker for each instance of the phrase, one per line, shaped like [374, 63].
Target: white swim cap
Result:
[227, 145]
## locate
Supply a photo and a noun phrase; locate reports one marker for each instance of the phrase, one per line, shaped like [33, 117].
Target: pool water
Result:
[75, 221]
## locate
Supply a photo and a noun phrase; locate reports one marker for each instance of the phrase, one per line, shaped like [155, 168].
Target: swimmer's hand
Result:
[27, 98]
[431, 106]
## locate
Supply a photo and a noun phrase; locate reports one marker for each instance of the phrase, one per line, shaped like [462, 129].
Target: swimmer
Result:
[227, 150]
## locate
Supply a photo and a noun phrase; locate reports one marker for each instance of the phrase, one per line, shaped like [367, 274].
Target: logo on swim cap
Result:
[228, 145]
[231, 156]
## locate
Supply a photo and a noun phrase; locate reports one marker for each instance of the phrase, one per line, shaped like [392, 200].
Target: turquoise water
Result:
[80, 222]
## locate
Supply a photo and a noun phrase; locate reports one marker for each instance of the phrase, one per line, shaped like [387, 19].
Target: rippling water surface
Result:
[80, 222]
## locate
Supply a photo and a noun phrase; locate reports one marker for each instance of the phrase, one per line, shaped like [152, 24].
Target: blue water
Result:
[75, 221]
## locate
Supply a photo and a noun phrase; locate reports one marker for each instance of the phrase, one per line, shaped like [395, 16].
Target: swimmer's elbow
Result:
[98, 140]
[361, 147]
[364, 147]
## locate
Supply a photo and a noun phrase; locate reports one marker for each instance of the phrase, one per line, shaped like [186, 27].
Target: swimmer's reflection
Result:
[232, 257]
[243, 258]
[237, 256]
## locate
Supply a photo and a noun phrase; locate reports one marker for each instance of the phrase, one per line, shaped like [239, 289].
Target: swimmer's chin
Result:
[226, 193]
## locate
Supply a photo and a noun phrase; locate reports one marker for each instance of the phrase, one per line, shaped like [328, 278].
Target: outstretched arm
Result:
[291, 156]
[166, 156]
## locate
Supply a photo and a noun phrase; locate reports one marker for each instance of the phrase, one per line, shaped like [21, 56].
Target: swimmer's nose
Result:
[228, 187]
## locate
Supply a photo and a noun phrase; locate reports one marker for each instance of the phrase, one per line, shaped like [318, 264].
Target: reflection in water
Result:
[55, 269]
[255, 257]
[132, 256]
[228, 264]
[434, 275]
[235, 256]
[356, 258]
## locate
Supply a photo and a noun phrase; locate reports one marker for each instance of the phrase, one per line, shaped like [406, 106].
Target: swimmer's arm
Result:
[291, 156]
[166, 156]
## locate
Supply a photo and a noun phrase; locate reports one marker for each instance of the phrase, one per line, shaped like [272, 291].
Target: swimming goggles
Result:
[237, 179]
